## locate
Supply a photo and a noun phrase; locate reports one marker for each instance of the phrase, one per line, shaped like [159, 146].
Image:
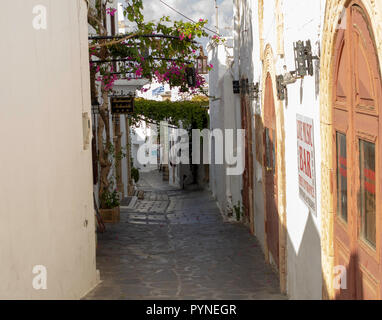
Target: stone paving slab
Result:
[184, 252]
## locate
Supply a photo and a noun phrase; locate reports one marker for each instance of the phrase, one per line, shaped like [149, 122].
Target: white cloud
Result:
[194, 9]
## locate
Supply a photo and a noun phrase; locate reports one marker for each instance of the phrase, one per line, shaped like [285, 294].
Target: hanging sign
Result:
[306, 162]
[122, 105]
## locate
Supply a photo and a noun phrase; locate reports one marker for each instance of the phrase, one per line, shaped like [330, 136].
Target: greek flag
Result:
[158, 91]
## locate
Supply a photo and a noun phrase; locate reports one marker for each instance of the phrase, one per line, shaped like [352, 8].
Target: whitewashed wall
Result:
[46, 207]
[223, 115]
[303, 20]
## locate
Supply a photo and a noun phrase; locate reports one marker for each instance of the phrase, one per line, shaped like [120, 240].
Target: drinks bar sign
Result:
[306, 162]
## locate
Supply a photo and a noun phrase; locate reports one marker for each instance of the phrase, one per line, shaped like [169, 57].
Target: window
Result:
[342, 180]
[367, 196]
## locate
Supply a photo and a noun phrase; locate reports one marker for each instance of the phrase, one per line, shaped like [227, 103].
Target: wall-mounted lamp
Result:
[303, 58]
[236, 87]
[201, 63]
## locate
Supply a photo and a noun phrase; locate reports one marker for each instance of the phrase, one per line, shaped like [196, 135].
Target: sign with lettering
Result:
[122, 105]
[306, 162]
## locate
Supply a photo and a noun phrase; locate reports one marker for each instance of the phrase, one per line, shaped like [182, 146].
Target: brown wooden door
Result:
[270, 167]
[358, 147]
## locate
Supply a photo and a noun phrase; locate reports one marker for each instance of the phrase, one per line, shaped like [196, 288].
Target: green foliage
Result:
[113, 154]
[135, 174]
[238, 211]
[110, 200]
[193, 114]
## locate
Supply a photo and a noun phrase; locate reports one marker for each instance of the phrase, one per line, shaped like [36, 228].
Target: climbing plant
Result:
[192, 114]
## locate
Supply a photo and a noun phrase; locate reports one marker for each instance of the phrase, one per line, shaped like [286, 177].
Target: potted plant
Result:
[110, 210]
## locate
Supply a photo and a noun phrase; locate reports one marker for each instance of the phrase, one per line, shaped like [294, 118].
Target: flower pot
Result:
[110, 215]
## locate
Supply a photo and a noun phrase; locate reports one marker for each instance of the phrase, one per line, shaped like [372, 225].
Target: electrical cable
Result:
[184, 16]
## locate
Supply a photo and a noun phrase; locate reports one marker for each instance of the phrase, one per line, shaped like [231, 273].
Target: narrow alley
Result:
[175, 245]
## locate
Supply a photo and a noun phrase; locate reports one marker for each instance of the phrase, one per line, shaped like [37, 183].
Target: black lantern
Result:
[201, 63]
[191, 77]
[236, 86]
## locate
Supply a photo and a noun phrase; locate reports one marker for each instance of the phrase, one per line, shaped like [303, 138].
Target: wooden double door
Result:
[270, 169]
[357, 180]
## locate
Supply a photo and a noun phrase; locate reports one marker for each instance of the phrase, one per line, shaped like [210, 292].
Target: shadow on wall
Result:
[304, 266]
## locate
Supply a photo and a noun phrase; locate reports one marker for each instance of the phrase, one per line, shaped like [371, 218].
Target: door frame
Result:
[333, 14]
[248, 174]
[270, 68]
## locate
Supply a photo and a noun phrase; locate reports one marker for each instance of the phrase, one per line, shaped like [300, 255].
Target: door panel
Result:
[357, 132]
[270, 168]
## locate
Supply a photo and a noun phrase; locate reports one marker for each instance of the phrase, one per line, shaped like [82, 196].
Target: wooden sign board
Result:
[122, 105]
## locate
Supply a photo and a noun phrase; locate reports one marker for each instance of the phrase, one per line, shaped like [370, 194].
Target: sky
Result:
[194, 9]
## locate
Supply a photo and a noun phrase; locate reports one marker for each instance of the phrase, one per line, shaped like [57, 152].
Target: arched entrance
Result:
[356, 156]
[247, 191]
[271, 172]
[272, 117]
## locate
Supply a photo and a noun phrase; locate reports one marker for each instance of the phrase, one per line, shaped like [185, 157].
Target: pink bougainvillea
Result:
[111, 11]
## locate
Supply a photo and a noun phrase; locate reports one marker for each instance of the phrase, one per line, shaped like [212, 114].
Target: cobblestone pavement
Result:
[175, 245]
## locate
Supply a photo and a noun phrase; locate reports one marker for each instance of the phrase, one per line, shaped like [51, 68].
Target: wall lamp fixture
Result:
[303, 58]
